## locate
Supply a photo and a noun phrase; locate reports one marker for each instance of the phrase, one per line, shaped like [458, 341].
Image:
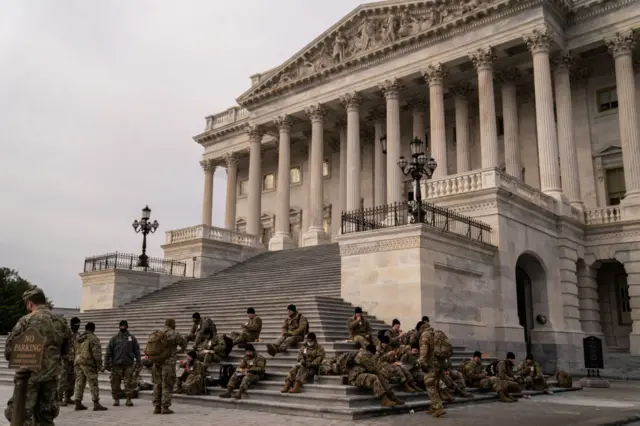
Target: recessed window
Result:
[615, 185]
[326, 224]
[244, 187]
[268, 182]
[325, 168]
[295, 175]
[607, 99]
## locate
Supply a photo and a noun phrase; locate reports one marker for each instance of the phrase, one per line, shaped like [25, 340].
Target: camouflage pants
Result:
[285, 342]
[164, 378]
[41, 406]
[300, 374]
[454, 381]
[489, 384]
[210, 358]
[118, 374]
[242, 382]
[512, 385]
[67, 380]
[364, 341]
[244, 337]
[432, 383]
[418, 375]
[535, 383]
[369, 381]
[329, 367]
[84, 374]
[396, 373]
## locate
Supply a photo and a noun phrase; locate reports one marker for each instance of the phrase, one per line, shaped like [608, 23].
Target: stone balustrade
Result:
[212, 233]
[602, 215]
[226, 117]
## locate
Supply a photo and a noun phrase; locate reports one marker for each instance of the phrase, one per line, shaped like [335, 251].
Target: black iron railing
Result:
[405, 213]
[130, 261]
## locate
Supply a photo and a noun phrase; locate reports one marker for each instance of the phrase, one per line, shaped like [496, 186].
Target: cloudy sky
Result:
[98, 104]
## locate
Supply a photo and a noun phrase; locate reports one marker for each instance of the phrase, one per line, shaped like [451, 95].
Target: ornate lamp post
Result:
[419, 166]
[145, 227]
[383, 142]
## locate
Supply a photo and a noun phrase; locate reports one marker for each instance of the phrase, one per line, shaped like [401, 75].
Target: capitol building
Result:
[528, 107]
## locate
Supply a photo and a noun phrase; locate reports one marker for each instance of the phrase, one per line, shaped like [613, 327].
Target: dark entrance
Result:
[525, 304]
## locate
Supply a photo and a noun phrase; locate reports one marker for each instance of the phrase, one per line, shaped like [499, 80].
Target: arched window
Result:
[268, 182]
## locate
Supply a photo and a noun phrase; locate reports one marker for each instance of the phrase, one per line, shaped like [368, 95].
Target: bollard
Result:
[20, 397]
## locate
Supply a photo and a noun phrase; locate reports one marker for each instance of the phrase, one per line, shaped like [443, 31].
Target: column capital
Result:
[539, 40]
[509, 75]
[434, 74]
[563, 62]
[209, 166]
[255, 133]
[462, 90]
[230, 159]
[482, 58]
[622, 43]
[351, 101]
[283, 122]
[390, 88]
[315, 112]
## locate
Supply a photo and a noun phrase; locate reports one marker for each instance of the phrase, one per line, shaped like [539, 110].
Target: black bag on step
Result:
[226, 372]
[228, 345]
[492, 369]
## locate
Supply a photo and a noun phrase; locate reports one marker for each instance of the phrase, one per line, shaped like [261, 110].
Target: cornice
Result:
[585, 10]
[213, 136]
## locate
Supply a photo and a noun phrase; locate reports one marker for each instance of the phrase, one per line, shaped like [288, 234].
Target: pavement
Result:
[619, 405]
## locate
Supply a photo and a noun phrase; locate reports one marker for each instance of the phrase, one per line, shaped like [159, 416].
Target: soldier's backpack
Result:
[492, 369]
[228, 345]
[346, 361]
[442, 347]
[226, 372]
[381, 333]
[157, 348]
[564, 379]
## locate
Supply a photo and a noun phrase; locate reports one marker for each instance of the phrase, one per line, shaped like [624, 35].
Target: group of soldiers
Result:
[418, 360]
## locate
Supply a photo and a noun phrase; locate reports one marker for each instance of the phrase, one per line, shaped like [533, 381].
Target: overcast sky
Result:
[99, 101]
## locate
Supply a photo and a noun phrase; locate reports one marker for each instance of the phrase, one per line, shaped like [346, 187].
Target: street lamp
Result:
[419, 166]
[145, 227]
[383, 142]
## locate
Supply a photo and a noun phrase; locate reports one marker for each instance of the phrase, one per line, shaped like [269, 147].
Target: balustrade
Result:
[602, 215]
[212, 233]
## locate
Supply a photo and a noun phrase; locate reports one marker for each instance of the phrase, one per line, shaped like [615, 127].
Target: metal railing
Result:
[130, 261]
[406, 213]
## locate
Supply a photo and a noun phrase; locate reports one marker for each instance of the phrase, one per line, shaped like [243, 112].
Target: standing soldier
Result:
[250, 330]
[123, 354]
[294, 329]
[41, 406]
[68, 378]
[88, 363]
[435, 349]
[360, 330]
[309, 361]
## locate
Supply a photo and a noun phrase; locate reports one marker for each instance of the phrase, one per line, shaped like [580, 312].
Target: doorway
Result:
[525, 304]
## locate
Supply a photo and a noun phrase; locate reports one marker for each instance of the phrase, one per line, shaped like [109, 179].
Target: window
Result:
[615, 185]
[325, 168]
[268, 182]
[244, 187]
[326, 224]
[607, 99]
[295, 175]
[500, 125]
[265, 235]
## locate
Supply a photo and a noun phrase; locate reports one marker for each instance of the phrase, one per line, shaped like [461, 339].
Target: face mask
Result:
[123, 330]
[249, 354]
[309, 343]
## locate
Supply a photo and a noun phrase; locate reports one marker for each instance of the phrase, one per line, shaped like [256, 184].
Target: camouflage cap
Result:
[34, 291]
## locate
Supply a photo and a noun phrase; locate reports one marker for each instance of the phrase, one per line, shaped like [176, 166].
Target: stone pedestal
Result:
[314, 238]
[281, 242]
[594, 382]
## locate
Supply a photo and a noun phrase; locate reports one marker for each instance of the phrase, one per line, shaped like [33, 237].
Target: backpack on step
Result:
[228, 345]
[226, 372]
[492, 369]
[442, 347]
[157, 348]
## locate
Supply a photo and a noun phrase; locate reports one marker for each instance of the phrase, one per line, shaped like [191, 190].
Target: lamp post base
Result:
[143, 261]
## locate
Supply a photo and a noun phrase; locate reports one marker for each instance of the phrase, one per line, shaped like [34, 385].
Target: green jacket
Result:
[88, 350]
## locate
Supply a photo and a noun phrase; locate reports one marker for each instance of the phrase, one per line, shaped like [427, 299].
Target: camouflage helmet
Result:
[33, 292]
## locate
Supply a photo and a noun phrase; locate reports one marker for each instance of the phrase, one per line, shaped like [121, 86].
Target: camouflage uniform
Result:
[389, 368]
[506, 374]
[309, 362]
[360, 331]
[396, 338]
[293, 331]
[192, 380]
[41, 406]
[249, 373]
[336, 365]
[212, 351]
[530, 375]
[435, 368]
[411, 361]
[197, 331]
[364, 374]
[121, 358]
[250, 331]
[164, 373]
[67, 379]
[88, 363]
[476, 377]
[454, 380]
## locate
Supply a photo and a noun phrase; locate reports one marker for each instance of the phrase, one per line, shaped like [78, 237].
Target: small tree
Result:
[12, 307]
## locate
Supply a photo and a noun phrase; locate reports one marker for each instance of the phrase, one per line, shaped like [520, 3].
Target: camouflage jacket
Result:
[396, 338]
[216, 345]
[253, 326]
[359, 327]
[525, 370]
[426, 343]
[505, 370]
[311, 355]
[344, 362]
[88, 350]
[363, 363]
[473, 371]
[56, 336]
[71, 354]
[383, 356]
[295, 326]
[255, 365]
[411, 361]
[199, 327]
[174, 339]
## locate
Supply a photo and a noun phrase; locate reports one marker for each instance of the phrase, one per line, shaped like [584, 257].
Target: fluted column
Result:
[342, 191]
[483, 62]
[621, 47]
[512, 158]
[232, 190]
[254, 198]
[316, 235]
[588, 299]
[207, 200]
[352, 102]
[281, 240]
[380, 163]
[463, 149]
[434, 75]
[418, 110]
[391, 90]
[566, 141]
[539, 43]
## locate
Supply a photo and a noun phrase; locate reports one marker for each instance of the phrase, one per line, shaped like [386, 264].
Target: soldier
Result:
[434, 350]
[250, 330]
[68, 378]
[476, 376]
[529, 374]
[164, 368]
[504, 372]
[360, 330]
[191, 382]
[412, 337]
[396, 336]
[88, 363]
[121, 359]
[198, 328]
[309, 362]
[250, 371]
[391, 370]
[213, 349]
[410, 360]
[294, 329]
[454, 381]
[41, 405]
[364, 373]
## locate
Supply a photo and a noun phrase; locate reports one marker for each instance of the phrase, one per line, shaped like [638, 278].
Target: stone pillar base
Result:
[594, 382]
[281, 242]
[315, 238]
[634, 344]
[630, 206]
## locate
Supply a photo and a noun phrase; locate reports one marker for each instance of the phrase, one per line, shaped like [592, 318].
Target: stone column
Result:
[391, 89]
[434, 75]
[418, 108]
[342, 191]
[483, 61]
[352, 102]
[232, 190]
[632, 268]
[588, 299]
[463, 148]
[539, 43]
[207, 200]
[566, 141]
[316, 235]
[254, 198]
[621, 46]
[281, 239]
[380, 164]
[512, 159]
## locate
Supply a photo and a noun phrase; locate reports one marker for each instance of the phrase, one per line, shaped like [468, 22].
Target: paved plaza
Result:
[616, 406]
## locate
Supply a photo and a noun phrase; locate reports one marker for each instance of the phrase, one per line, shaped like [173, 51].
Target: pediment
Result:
[369, 30]
[609, 151]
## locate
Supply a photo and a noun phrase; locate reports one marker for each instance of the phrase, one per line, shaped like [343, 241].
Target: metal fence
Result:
[130, 261]
[405, 213]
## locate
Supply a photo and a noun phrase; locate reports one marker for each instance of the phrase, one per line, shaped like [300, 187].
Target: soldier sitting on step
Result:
[454, 382]
[396, 336]
[198, 328]
[191, 382]
[309, 361]
[294, 328]
[410, 360]
[392, 370]
[360, 331]
[213, 348]
[529, 374]
[505, 372]
[250, 330]
[363, 373]
[249, 372]
[475, 376]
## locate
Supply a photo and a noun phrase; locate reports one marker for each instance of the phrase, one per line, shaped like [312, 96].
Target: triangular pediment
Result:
[370, 29]
[611, 150]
